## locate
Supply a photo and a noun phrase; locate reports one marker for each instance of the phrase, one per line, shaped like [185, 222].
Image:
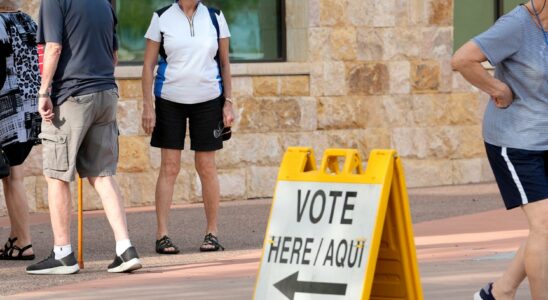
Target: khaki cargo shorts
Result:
[83, 137]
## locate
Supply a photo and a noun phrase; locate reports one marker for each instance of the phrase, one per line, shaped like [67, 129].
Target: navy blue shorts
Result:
[522, 175]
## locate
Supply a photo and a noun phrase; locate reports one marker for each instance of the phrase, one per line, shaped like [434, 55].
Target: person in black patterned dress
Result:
[19, 119]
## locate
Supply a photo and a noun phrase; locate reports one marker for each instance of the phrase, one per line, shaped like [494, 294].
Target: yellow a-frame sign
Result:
[339, 232]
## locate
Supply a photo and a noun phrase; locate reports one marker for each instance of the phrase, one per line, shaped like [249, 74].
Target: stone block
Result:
[317, 80]
[384, 15]
[428, 172]
[266, 86]
[359, 12]
[343, 43]
[437, 43]
[232, 184]
[134, 154]
[295, 85]
[334, 76]
[314, 13]
[440, 12]
[298, 39]
[400, 80]
[90, 197]
[31, 7]
[368, 79]
[242, 86]
[473, 170]
[130, 89]
[425, 76]
[461, 85]
[341, 113]
[318, 41]
[261, 181]
[401, 43]
[296, 14]
[333, 12]
[129, 117]
[271, 114]
[417, 12]
[443, 142]
[262, 149]
[370, 44]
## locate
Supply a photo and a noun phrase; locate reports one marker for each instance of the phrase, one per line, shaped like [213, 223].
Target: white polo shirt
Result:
[187, 71]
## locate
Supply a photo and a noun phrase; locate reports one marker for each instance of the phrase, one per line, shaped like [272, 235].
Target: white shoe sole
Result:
[62, 270]
[477, 296]
[128, 266]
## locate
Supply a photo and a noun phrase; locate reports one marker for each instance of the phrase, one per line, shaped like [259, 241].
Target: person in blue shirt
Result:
[515, 130]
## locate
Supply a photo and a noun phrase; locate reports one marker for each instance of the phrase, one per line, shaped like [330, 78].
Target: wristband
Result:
[229, 100]
[44, 95]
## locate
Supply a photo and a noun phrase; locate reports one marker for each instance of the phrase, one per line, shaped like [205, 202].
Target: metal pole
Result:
[80, 225]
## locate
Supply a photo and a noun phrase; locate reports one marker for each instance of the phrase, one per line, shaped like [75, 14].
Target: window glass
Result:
[133, 21]
[472, 17]
[256, 27]
[511, 4]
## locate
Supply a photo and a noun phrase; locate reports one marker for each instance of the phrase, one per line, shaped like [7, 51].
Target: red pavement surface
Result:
[456, 256]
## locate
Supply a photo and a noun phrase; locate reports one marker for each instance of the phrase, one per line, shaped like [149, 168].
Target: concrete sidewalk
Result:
[459, 250]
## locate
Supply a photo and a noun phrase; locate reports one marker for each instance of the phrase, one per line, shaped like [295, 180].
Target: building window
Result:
[473, 17]
[257, 28]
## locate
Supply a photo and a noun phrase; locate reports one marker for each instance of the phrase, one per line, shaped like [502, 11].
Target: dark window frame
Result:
[282, 44]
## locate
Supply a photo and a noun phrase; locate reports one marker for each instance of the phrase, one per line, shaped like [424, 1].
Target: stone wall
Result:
[362, 74]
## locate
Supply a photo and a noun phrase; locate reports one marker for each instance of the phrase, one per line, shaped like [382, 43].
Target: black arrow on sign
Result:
[291, 285]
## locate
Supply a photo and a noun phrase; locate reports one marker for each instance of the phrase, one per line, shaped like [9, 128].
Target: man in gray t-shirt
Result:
[77, 100]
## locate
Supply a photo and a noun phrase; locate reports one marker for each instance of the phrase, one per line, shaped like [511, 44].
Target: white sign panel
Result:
[318, 241]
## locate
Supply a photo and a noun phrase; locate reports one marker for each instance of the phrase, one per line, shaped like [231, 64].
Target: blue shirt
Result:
[515, 46]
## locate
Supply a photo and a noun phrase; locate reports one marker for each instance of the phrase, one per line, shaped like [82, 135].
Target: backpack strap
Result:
[213, 13]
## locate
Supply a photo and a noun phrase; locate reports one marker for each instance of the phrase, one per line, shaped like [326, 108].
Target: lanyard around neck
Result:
[540, 23]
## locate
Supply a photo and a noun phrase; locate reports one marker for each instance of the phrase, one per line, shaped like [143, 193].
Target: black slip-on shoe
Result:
[127, 262]
[485, 293]
[51, 266]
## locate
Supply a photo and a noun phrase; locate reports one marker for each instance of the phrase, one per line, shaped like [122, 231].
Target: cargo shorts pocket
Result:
[54, 152]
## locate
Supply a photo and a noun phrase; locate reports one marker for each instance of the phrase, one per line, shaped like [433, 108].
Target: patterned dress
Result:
[19, 79]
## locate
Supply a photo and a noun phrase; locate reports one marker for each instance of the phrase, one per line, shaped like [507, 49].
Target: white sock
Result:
[122, 246]
[62, 251]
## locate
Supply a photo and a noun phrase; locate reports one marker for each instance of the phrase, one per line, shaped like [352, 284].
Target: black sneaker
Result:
[485, 293]
[51, 266]
[127, 262]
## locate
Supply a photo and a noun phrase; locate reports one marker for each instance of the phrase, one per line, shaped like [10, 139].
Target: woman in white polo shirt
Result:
[192, 82]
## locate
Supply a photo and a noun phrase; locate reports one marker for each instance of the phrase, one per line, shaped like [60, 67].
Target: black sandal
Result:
[9, 247]
[211, 243]
[164, 243]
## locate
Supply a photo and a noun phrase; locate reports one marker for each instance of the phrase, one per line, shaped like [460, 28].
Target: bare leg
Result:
[169, 170]
[536, 250]
[505, 288]
[59, 208]
[18, 210]
[110, 195]
[207, 170]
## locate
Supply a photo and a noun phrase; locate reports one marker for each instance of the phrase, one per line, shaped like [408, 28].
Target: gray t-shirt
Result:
[515, 46]
[87, 31]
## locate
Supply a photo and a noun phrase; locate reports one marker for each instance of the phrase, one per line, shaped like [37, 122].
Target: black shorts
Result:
[18, 152]
[522, 175]
[205, 122]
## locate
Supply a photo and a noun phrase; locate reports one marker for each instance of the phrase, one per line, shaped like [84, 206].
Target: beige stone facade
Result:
[360, 74]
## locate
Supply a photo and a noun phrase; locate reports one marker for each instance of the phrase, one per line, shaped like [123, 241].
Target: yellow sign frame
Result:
[392, 270]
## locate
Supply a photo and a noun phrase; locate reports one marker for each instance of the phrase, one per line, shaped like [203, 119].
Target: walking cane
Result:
[80, 225]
